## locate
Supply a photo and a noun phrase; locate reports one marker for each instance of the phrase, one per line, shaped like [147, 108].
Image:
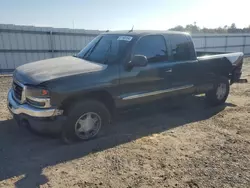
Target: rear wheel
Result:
[220, 92]
[85, 121]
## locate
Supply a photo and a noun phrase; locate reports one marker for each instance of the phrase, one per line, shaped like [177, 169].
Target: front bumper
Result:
[41, 125]
[17, 108]
[41, 120]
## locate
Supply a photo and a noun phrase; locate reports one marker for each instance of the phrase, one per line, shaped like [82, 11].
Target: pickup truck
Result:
[79, 95]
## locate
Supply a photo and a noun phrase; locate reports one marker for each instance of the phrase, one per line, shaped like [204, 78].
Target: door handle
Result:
[168, 71]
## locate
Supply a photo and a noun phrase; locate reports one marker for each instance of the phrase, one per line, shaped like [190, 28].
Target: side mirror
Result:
[139, 61]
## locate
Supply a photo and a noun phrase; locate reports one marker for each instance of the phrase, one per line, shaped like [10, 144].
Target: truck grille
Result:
[18, 90]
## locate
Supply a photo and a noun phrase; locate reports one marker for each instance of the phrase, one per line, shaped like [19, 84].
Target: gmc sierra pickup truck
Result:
[78, 95]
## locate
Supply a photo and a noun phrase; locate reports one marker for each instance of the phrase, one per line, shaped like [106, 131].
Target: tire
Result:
[77, 125]
[219, 94]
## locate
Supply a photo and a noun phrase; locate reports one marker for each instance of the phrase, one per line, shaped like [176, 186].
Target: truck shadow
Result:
[22, 153]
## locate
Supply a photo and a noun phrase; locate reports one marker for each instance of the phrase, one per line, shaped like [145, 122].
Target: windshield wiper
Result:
[89, 52]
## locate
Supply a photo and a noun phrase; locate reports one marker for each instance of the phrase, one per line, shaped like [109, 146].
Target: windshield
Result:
[105, 48]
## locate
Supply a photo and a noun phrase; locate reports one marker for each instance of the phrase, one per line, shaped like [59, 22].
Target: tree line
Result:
[193, 28]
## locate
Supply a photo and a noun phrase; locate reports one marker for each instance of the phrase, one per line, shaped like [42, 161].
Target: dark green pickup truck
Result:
[78, 95]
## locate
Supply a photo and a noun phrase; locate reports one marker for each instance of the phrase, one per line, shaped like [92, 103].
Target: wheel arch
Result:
[100, 95]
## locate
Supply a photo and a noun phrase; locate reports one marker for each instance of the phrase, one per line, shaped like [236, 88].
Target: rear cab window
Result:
[182, 48]
[153, 47]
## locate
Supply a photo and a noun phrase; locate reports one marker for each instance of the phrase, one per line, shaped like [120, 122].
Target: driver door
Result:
[143, 84]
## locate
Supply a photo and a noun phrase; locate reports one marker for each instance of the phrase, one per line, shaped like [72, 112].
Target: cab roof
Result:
[144, 32]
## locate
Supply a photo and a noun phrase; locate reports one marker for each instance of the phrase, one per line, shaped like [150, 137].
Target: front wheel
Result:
[85, 121]
[220, 92]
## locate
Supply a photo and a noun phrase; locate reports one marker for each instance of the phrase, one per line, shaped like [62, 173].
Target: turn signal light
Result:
[45, 92]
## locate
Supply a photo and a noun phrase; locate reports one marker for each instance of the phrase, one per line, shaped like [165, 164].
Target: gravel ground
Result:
[193, 145]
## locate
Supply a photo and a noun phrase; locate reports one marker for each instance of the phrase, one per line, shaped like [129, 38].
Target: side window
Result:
[181, 48]
[153, 47]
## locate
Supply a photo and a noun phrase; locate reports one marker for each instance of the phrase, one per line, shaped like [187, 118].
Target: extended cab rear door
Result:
[183, 61]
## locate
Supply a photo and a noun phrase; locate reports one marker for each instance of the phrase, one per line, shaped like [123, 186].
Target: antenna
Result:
[131, 29]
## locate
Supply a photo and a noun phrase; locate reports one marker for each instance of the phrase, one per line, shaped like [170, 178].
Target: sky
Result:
[123, 14]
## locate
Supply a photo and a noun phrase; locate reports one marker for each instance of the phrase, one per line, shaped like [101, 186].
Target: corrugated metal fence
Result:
[223, 42]
[23, 44]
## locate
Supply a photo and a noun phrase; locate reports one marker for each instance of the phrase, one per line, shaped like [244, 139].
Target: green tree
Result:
[193, 28]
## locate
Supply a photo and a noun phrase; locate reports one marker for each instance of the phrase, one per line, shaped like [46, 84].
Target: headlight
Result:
[37, 92]
[38, 97]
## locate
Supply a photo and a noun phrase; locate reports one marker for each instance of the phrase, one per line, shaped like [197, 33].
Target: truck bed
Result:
[234, 57]
[232, 61]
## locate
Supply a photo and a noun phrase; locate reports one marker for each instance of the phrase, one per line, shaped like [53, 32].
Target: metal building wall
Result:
[24, 44]
[223, 42]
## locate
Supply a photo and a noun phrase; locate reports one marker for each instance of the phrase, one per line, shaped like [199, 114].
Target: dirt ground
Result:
[193, 146]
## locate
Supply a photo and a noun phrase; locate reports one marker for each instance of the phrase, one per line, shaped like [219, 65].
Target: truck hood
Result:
[49, 69]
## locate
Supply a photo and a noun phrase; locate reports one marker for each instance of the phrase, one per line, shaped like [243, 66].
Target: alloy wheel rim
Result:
[221, 91]
[88, 125]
